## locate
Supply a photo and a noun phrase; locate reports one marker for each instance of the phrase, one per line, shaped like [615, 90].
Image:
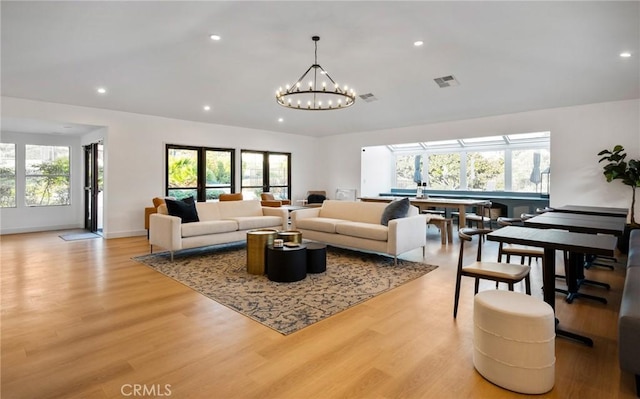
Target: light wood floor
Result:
[81, 319]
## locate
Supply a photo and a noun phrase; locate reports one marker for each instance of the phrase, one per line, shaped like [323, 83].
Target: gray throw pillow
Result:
[395, 210]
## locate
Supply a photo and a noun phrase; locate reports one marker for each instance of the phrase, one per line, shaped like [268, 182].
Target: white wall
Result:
[134, 151]
[577, 135]
[134, 154]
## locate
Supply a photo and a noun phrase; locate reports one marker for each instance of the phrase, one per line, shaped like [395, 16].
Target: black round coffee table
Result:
[287, 264]
[316, 257]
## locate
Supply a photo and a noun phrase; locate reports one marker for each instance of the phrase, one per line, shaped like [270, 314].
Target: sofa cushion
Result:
[395, 210]
[326, 225]
[364, 212]
[256, 222]
[184, 209]
[363, 230]
[208, 227]
[208, 211]
[231, 209]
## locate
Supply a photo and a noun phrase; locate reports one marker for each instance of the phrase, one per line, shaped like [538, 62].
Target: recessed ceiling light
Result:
[418, 43]
[280, 119]
[215, 37]
[206, 108]
[101, 90]
[626, 54]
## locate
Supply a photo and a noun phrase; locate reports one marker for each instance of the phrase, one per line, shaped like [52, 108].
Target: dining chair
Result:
[509, 273]
[509, 250]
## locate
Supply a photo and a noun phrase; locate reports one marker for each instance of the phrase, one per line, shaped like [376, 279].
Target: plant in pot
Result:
[617, 167]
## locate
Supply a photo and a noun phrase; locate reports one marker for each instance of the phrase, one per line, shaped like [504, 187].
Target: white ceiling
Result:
[156, 58]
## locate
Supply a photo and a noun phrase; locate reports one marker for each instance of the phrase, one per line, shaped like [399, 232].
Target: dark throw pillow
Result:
[185, 209]
[395, 210]
[316, 199]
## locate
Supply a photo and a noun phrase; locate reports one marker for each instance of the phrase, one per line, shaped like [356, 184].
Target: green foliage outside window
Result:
[48, 183]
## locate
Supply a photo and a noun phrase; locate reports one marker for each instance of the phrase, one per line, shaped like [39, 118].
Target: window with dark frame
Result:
[201, 172]
[265, 171]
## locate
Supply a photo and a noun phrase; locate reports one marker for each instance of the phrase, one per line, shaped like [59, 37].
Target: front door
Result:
[93, 186]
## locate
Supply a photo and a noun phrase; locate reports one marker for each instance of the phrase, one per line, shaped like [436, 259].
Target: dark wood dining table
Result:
[593, 210]
[579, 223]
[551, 240]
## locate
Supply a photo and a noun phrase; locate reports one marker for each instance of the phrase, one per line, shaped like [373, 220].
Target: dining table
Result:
[593, 210]
[460, 204]
[552, 240]
[579, 223]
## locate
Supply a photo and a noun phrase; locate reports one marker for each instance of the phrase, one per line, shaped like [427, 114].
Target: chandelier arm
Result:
[300, 80]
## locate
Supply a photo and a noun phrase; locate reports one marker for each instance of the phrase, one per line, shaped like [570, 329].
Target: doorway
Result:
[93, 186]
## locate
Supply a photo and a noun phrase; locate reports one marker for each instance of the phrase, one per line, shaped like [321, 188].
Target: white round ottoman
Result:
[514, 341]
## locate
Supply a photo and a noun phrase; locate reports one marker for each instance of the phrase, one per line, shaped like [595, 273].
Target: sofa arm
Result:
[165, 231]
[281, 212]
[406, 234]
[303, 214]
[629, 322]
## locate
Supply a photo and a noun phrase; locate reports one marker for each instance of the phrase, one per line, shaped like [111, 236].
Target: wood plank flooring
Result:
[80, 319]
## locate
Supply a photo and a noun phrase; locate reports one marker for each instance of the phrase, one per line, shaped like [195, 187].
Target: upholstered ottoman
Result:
[514, 341]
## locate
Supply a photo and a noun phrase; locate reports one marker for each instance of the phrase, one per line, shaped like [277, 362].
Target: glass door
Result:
[93, 186]
[266, 172]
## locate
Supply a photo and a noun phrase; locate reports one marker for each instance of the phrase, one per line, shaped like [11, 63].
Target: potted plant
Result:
[628, 171]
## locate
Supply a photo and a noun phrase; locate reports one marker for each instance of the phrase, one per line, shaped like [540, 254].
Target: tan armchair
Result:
[269, 200]
[148, 211]
[231, 197]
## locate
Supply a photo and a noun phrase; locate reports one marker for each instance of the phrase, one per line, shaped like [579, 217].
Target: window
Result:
[47, 175]
[266, 172]
[444, 171]
[7, 175]
[485, 170]
[527, 167]
[514, 162]
[201, 172]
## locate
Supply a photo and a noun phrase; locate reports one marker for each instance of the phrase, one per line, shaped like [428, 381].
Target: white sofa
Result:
[220, 223]
[355, 224]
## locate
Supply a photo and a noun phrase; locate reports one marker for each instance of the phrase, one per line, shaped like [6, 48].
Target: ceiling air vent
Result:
[368, 97]
[446, 81]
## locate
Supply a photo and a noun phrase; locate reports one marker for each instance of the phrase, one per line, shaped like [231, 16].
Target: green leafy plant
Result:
[618, 168]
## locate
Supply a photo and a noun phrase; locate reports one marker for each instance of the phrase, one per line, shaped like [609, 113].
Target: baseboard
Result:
[124, 234]
[37, 229]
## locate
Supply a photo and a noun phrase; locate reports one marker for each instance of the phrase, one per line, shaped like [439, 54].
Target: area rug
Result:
[79, 236]
[351, 278]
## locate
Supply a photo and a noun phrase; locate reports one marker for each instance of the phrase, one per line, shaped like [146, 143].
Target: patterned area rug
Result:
[220, 273]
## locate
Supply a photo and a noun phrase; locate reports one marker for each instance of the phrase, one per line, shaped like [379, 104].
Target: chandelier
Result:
[316, 95]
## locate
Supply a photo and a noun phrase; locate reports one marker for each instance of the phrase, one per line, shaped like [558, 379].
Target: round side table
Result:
[290, 236]
[257, 240]
[316, 257]
[287, 264]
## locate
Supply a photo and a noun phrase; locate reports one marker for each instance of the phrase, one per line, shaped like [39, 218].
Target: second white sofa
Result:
[355, 224]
